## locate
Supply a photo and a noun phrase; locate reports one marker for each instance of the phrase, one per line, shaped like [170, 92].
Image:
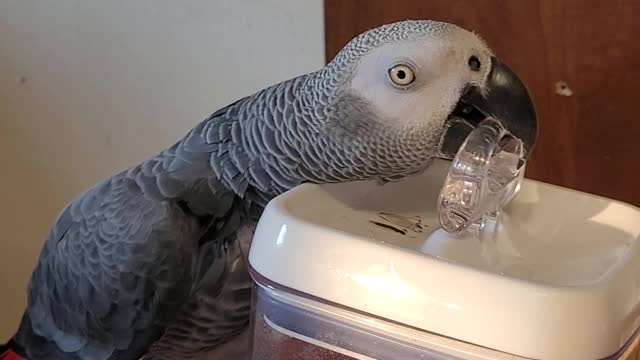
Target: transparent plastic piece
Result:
[288, 327]
[485, 174]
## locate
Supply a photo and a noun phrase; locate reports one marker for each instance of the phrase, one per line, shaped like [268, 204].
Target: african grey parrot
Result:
[152, 261]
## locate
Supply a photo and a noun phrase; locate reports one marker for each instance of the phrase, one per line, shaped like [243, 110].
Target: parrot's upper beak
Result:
[505, 98]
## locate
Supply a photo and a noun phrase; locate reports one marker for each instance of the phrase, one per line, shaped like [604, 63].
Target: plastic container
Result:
[364, 271]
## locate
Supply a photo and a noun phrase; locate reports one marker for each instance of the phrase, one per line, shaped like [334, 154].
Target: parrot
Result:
[152, 262]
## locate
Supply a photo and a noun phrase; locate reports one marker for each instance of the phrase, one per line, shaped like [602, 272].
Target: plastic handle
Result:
[484, 176]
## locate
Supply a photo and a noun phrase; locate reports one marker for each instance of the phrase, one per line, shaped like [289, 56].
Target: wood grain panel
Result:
[588, 140]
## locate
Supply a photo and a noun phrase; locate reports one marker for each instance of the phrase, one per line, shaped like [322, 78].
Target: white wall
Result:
[89, 87]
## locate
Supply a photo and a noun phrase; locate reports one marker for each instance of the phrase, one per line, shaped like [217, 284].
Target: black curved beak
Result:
[504, 97]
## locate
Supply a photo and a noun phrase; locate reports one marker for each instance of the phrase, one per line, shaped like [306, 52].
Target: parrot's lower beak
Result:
[505, 98]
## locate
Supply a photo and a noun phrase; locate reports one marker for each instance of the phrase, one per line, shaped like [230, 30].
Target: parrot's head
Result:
[399, 85]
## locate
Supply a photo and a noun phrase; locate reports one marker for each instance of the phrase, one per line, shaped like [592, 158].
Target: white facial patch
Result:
[441, 73]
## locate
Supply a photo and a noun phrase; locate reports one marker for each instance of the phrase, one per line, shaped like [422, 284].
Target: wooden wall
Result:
[589, 127]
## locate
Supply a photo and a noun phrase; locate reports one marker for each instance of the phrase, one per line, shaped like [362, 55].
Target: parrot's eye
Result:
[401, 75]
[474, 63]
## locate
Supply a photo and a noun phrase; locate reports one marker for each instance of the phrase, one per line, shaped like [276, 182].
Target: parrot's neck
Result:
[301, 130]
[257, 147]
[268, 143]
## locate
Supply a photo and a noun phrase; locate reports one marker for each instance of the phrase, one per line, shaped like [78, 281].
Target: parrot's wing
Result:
[122, 259]
[114, 263]
[218, 310]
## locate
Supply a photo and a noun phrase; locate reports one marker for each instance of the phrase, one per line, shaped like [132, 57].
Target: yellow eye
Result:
[401, 75]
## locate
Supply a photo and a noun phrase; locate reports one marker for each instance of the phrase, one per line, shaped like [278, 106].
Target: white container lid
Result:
[561, 281]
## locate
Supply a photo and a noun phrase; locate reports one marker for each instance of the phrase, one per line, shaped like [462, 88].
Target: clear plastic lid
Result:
[484, 175]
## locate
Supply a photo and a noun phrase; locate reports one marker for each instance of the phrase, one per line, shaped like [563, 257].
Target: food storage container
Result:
[364, 271]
